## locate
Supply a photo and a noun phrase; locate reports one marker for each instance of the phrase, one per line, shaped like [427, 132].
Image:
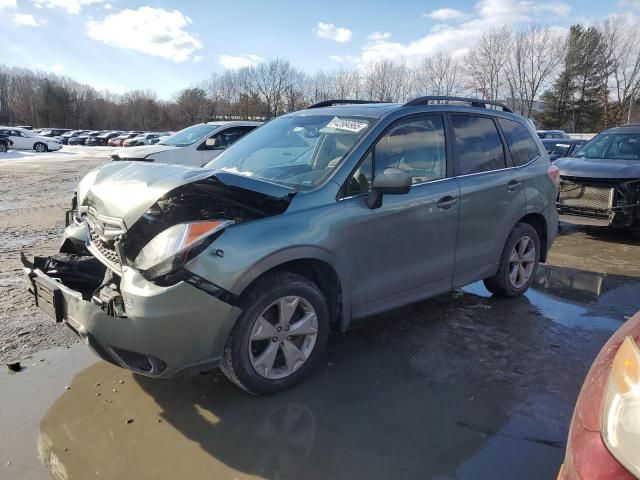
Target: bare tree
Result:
[486, 62]
[387, 81]
[622, 37]
[534, 56]
[439, 74]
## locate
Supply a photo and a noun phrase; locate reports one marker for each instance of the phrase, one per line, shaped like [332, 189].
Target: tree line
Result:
[583, 79]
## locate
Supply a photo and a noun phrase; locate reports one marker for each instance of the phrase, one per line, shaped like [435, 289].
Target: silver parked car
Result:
[317, 218]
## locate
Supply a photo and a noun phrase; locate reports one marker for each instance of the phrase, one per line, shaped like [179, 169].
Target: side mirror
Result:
[212, 143]
[393, 181]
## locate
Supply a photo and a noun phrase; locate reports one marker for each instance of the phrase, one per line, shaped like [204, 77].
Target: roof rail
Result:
[475, 102]
[330, 103]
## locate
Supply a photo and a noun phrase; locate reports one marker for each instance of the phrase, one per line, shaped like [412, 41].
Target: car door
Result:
[403, 250]
[20, 140]
[492, 196]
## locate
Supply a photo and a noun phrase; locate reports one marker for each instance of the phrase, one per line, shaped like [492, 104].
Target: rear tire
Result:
[260, 359]
[518, 263]
[40, 147]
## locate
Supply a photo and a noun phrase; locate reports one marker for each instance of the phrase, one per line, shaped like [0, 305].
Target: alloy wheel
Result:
[522, 261]
[283, 337]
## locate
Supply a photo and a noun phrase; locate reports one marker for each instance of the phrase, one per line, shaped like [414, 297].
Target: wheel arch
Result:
[318, 266]
[537, 221]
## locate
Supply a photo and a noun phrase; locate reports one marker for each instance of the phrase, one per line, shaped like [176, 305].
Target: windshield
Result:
[622, 146]
[189, 135]
[299, 150]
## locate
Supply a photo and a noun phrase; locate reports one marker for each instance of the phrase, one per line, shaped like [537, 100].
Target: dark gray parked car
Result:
[317, 218]
[566, 147]
[600, 185]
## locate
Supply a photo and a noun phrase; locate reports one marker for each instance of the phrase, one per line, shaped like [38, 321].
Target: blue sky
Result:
[168, 45]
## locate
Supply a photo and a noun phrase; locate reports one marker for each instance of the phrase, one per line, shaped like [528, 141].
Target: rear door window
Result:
[521, 144]
[478, 144]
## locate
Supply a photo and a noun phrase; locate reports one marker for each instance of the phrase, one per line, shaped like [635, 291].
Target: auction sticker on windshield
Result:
[348, 125]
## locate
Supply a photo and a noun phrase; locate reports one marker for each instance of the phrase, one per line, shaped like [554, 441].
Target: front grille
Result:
[104, 251]
[575, 196]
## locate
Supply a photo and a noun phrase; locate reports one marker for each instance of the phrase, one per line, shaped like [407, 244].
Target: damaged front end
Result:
[125, 291]
[600, 202]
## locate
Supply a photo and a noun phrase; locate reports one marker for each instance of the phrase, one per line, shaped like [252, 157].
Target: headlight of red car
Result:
[621, 407]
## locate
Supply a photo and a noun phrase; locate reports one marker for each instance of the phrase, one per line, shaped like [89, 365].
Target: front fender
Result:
[210, 267]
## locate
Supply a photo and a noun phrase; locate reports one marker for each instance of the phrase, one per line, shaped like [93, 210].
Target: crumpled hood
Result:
[126, 190]
[598, 168]
[142, 151]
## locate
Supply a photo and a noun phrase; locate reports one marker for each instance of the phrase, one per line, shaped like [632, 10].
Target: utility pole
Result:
[630, 105]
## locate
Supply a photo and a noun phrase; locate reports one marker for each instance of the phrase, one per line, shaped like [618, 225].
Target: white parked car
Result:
[161, 136]
[194, 145]
[27, 140]
[142, 139]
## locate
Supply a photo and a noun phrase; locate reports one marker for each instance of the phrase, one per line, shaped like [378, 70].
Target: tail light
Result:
[554, 175]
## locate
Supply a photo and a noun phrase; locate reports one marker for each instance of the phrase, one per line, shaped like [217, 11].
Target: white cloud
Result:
[377, 36]
[329, 31]
[71, 6]
[344, 59]
[197, 59]
[7, 4]
[153, 31]
[231, 62]
[445, 14]
[108, 6]
[57, 68]
[622, 3]
[490, 14]
[25, 20]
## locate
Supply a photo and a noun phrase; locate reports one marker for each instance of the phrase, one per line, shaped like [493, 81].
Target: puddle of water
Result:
[573, 297]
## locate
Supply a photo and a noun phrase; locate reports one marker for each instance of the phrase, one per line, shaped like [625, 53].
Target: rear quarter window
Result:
[521, 144]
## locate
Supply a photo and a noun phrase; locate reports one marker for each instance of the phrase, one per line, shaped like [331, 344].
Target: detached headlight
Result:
[175, 246]
[621, 407]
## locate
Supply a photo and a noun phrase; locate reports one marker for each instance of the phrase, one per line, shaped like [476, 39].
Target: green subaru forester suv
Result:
[317, 218]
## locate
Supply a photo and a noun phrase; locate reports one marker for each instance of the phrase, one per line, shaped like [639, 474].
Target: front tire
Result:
[40, 147]
[3, 147]
[279, 336]
[518, 263]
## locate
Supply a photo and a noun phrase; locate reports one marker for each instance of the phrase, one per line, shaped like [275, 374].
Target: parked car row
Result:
[112, 138]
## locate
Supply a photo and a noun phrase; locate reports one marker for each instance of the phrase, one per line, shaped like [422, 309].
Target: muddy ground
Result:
[35, 191]
[462, 386]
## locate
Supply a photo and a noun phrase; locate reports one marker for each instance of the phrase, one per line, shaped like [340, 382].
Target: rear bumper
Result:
[166, 329]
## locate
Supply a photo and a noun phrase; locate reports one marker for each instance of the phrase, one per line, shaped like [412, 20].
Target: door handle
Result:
[514, 185]
[445, 203]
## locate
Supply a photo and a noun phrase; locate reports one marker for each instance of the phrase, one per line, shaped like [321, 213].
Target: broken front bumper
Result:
[598, 202]
[166, 329]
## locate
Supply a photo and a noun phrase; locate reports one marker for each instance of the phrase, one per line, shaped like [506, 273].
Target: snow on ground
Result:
[66, 154]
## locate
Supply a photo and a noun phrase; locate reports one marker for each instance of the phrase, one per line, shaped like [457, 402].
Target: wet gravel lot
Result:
[463, 386]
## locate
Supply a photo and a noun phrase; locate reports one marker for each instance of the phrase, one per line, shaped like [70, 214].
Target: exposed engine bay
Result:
[94, 265]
